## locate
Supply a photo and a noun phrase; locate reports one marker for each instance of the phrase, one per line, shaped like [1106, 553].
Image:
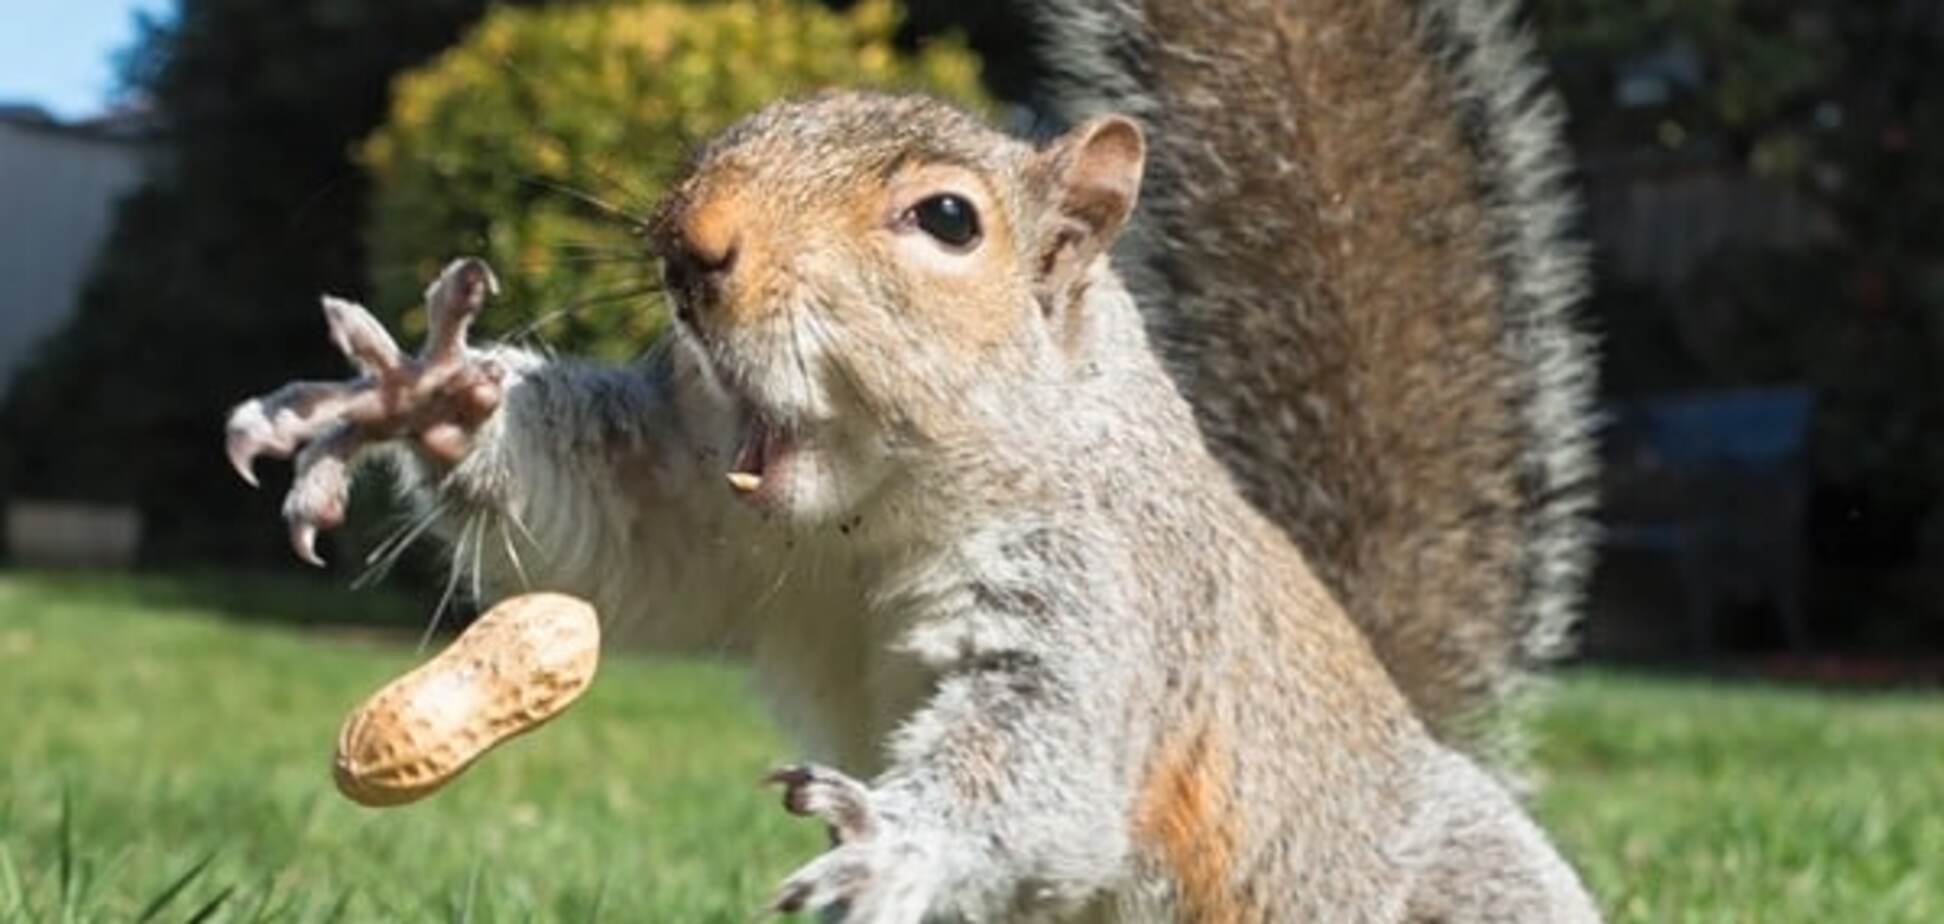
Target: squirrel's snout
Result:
[702, 237]
[695, 275]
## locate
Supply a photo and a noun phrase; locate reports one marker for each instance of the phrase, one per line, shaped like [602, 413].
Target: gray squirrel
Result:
[1153, 524]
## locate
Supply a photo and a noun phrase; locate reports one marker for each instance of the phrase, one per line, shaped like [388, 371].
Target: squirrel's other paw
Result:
[877, 871]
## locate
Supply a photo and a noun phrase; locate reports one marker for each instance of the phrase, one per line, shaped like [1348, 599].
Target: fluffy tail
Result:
[1354, 248]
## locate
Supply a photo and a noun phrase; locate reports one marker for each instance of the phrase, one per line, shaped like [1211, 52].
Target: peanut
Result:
[512, 670]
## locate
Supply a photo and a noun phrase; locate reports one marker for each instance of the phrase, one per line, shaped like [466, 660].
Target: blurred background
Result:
[1762, 185]
[1764, 194]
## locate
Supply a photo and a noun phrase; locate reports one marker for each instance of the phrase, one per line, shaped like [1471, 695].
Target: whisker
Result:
[581, 304]
[417, 527]
[478, 556]
[404, 524]
[578, 247]
[652, 353]
[379, 561]
[451, 586]
[513, 554]
[595, 244]
[523, 83]
[638, 223]
[513, 516]
[590, 259]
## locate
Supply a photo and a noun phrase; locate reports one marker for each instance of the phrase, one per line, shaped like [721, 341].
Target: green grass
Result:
[1685, 801]
[160, 753]
[173, 734]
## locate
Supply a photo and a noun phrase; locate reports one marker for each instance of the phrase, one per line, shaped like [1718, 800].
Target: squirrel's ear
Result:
[1094, 178]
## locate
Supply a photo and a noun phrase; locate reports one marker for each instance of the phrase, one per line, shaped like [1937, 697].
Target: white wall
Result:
[58, 188]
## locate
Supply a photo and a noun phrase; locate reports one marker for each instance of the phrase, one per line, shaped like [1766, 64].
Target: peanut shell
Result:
[512, 670]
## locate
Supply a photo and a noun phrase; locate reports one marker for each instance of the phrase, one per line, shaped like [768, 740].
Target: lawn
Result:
[163, 756]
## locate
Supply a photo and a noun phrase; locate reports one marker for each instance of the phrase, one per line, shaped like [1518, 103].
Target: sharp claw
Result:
[477, 272]
[792, 775]
[793, 779]
[359, 336]
[242, 456]
[462, 286]
[451, 303]
[790, 900]
[303, 540]
[244, 438]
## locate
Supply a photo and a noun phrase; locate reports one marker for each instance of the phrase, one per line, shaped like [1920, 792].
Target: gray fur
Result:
[1028, 590]
[1108, 56]
[969, 648]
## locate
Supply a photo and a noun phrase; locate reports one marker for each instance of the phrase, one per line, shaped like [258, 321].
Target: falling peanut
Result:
[519, 665]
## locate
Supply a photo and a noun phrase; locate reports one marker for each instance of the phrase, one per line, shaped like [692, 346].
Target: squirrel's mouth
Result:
[772, 426]
[761, 452]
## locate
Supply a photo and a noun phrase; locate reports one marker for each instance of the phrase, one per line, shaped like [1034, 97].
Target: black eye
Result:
[948, 218]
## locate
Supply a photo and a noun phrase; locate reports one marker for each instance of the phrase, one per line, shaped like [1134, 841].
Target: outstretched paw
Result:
[876, 872]
[437, 399]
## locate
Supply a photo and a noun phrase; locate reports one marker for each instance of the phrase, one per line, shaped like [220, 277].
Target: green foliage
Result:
[1758, 64]
[497, 147]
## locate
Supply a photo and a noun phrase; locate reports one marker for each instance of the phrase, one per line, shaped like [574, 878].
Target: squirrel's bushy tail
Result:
[1354, 249]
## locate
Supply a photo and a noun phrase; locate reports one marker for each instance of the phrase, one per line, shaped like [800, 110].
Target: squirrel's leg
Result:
[557, 474]
[1479, 857]
[1006, 795]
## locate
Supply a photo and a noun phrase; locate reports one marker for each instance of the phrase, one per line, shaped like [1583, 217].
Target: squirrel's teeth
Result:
[745, 482]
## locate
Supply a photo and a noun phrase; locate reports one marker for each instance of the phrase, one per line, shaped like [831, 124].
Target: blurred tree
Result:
[1840, 105]
[1831, 100]
[206, 289]
[531, 140]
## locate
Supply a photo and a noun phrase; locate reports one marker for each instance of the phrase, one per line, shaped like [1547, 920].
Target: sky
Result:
[59, 53]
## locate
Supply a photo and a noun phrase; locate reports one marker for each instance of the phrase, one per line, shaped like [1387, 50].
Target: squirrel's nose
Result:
[695, 273]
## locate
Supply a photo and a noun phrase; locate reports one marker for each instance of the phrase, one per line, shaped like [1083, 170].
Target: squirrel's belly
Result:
[820, 668]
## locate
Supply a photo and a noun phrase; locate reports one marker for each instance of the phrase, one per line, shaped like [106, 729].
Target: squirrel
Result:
[1150, 523]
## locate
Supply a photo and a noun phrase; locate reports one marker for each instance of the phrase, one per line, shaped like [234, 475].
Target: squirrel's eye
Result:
[948, 218]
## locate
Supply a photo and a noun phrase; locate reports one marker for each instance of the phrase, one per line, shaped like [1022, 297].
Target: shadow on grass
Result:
[279, 597]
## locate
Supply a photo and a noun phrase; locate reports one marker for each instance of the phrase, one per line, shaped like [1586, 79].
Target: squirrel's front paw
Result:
[877, 872]
[439, 398]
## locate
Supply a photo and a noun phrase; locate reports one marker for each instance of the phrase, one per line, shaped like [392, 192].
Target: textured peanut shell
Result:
[513, 669]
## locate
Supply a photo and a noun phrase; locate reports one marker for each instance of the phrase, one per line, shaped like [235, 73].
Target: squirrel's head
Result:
[871, 278]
